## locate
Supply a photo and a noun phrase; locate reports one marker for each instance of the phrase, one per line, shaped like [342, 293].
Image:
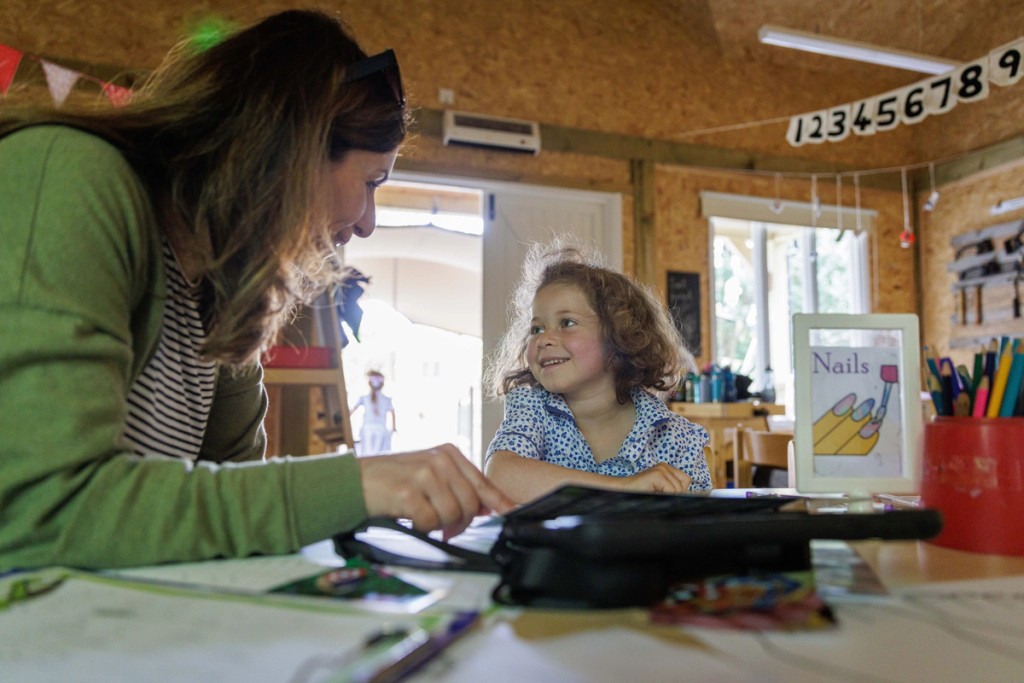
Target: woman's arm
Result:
[524, 479]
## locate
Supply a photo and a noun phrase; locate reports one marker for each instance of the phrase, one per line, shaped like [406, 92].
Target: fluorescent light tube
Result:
[848, 49]
[1007, 205]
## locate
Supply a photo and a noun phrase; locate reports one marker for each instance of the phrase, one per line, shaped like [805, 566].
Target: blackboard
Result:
[684, 303]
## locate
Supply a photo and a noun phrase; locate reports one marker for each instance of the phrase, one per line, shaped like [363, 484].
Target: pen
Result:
[394, 656]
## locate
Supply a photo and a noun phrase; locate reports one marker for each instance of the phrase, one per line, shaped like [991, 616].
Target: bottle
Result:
[717, 385]
[702, 393]
[729, 385]
[768, 392]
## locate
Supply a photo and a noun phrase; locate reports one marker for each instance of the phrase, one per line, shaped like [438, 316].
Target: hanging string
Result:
[907, 236]
[839, 207]
[933, 197]
[776, 206]
[735, 126]
[815, 202]
[856, 200]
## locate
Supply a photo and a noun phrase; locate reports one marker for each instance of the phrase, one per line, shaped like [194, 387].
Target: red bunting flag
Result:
[9, 61]
[117, 95]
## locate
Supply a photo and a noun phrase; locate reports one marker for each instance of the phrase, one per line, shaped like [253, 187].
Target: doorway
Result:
[430, 315]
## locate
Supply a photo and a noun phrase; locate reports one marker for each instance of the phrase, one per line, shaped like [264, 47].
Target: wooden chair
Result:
[754, 447]
[717, 473]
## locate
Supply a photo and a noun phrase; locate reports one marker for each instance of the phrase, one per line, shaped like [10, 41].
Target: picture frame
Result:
[858, 410]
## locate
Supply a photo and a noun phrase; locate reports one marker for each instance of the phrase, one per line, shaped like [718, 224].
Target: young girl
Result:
[578, 368]
[375, 434]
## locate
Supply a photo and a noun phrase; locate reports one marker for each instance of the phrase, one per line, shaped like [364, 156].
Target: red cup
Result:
[972, 471]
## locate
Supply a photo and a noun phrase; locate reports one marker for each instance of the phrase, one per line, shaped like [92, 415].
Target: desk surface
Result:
[949, 613]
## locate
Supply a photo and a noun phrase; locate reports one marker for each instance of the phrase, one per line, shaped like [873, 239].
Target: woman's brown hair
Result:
[234, 141]
[643, 347]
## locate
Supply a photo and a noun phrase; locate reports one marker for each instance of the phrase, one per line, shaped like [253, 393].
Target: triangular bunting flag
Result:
[59, 80]
[117, 95]
[9, 61]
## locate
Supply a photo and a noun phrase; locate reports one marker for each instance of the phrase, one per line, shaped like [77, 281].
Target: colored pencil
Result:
[990, 362]
[1013, 382]
[995, 399]
[947, 389]
[980, 398]
[935, 389]
[962, 405]
[965, 380]
[979, 369]
[931, 362]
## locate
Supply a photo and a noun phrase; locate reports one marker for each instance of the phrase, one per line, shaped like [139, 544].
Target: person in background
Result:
[375, 433]
[148, 255]
[580, 369]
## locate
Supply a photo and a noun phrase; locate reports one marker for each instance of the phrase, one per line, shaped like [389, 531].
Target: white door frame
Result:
[494, 315]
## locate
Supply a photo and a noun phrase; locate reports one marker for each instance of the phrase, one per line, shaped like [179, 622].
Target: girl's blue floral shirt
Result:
[540, 425]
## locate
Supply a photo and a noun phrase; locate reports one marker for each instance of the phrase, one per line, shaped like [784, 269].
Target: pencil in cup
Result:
[1014, 380]
[981, 398]
[1002, 376]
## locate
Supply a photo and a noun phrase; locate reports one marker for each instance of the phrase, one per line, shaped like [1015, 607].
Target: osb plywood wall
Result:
[659, 70]
[684, 238]
[964, 207]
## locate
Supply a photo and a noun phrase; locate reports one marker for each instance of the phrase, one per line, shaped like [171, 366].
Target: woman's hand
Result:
[662, 478]
[437, 489]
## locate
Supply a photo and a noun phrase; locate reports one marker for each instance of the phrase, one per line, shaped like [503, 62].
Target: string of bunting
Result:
[60, 80]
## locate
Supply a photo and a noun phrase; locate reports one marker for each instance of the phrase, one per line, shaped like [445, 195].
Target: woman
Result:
[148, 255]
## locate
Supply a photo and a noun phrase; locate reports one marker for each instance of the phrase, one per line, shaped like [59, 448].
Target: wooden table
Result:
[925, 630]
[719, 417]
[902, 564]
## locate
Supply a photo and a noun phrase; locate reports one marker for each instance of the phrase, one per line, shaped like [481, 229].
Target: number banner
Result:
[913, 103]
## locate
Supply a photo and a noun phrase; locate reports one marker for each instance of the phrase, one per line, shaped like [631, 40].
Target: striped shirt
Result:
[169, 402]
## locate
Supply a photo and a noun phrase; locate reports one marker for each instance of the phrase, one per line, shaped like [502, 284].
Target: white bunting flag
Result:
[59, 80]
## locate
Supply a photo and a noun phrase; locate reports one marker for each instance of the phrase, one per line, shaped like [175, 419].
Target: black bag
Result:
[594, 548]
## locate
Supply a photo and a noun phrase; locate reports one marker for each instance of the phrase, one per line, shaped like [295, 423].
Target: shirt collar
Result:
[650, 410]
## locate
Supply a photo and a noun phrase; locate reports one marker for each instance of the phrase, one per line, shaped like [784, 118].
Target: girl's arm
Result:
[524, 479]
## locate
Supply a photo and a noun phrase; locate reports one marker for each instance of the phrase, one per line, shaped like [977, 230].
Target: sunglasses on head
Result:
[385, 63]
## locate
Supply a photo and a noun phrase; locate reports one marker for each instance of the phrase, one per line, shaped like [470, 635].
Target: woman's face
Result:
[352, 183]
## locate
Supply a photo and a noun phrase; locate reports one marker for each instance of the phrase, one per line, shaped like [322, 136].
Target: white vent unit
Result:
[491, 132]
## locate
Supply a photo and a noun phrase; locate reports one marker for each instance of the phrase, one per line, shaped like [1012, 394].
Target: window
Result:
[765, 271]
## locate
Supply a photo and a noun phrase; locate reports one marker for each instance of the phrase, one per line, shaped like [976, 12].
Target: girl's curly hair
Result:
[643, 347]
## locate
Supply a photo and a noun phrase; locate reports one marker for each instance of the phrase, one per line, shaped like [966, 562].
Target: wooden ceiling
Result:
[960, 30]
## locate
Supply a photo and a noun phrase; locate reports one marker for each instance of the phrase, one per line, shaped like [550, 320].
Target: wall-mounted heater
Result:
[491, 132]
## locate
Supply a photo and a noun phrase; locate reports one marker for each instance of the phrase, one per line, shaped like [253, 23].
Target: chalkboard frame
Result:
[683, 294]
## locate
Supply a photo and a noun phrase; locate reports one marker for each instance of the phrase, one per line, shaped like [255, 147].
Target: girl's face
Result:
[352, 184]
[566, 348]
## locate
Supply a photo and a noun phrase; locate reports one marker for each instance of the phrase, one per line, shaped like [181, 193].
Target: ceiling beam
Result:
[630, 148]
